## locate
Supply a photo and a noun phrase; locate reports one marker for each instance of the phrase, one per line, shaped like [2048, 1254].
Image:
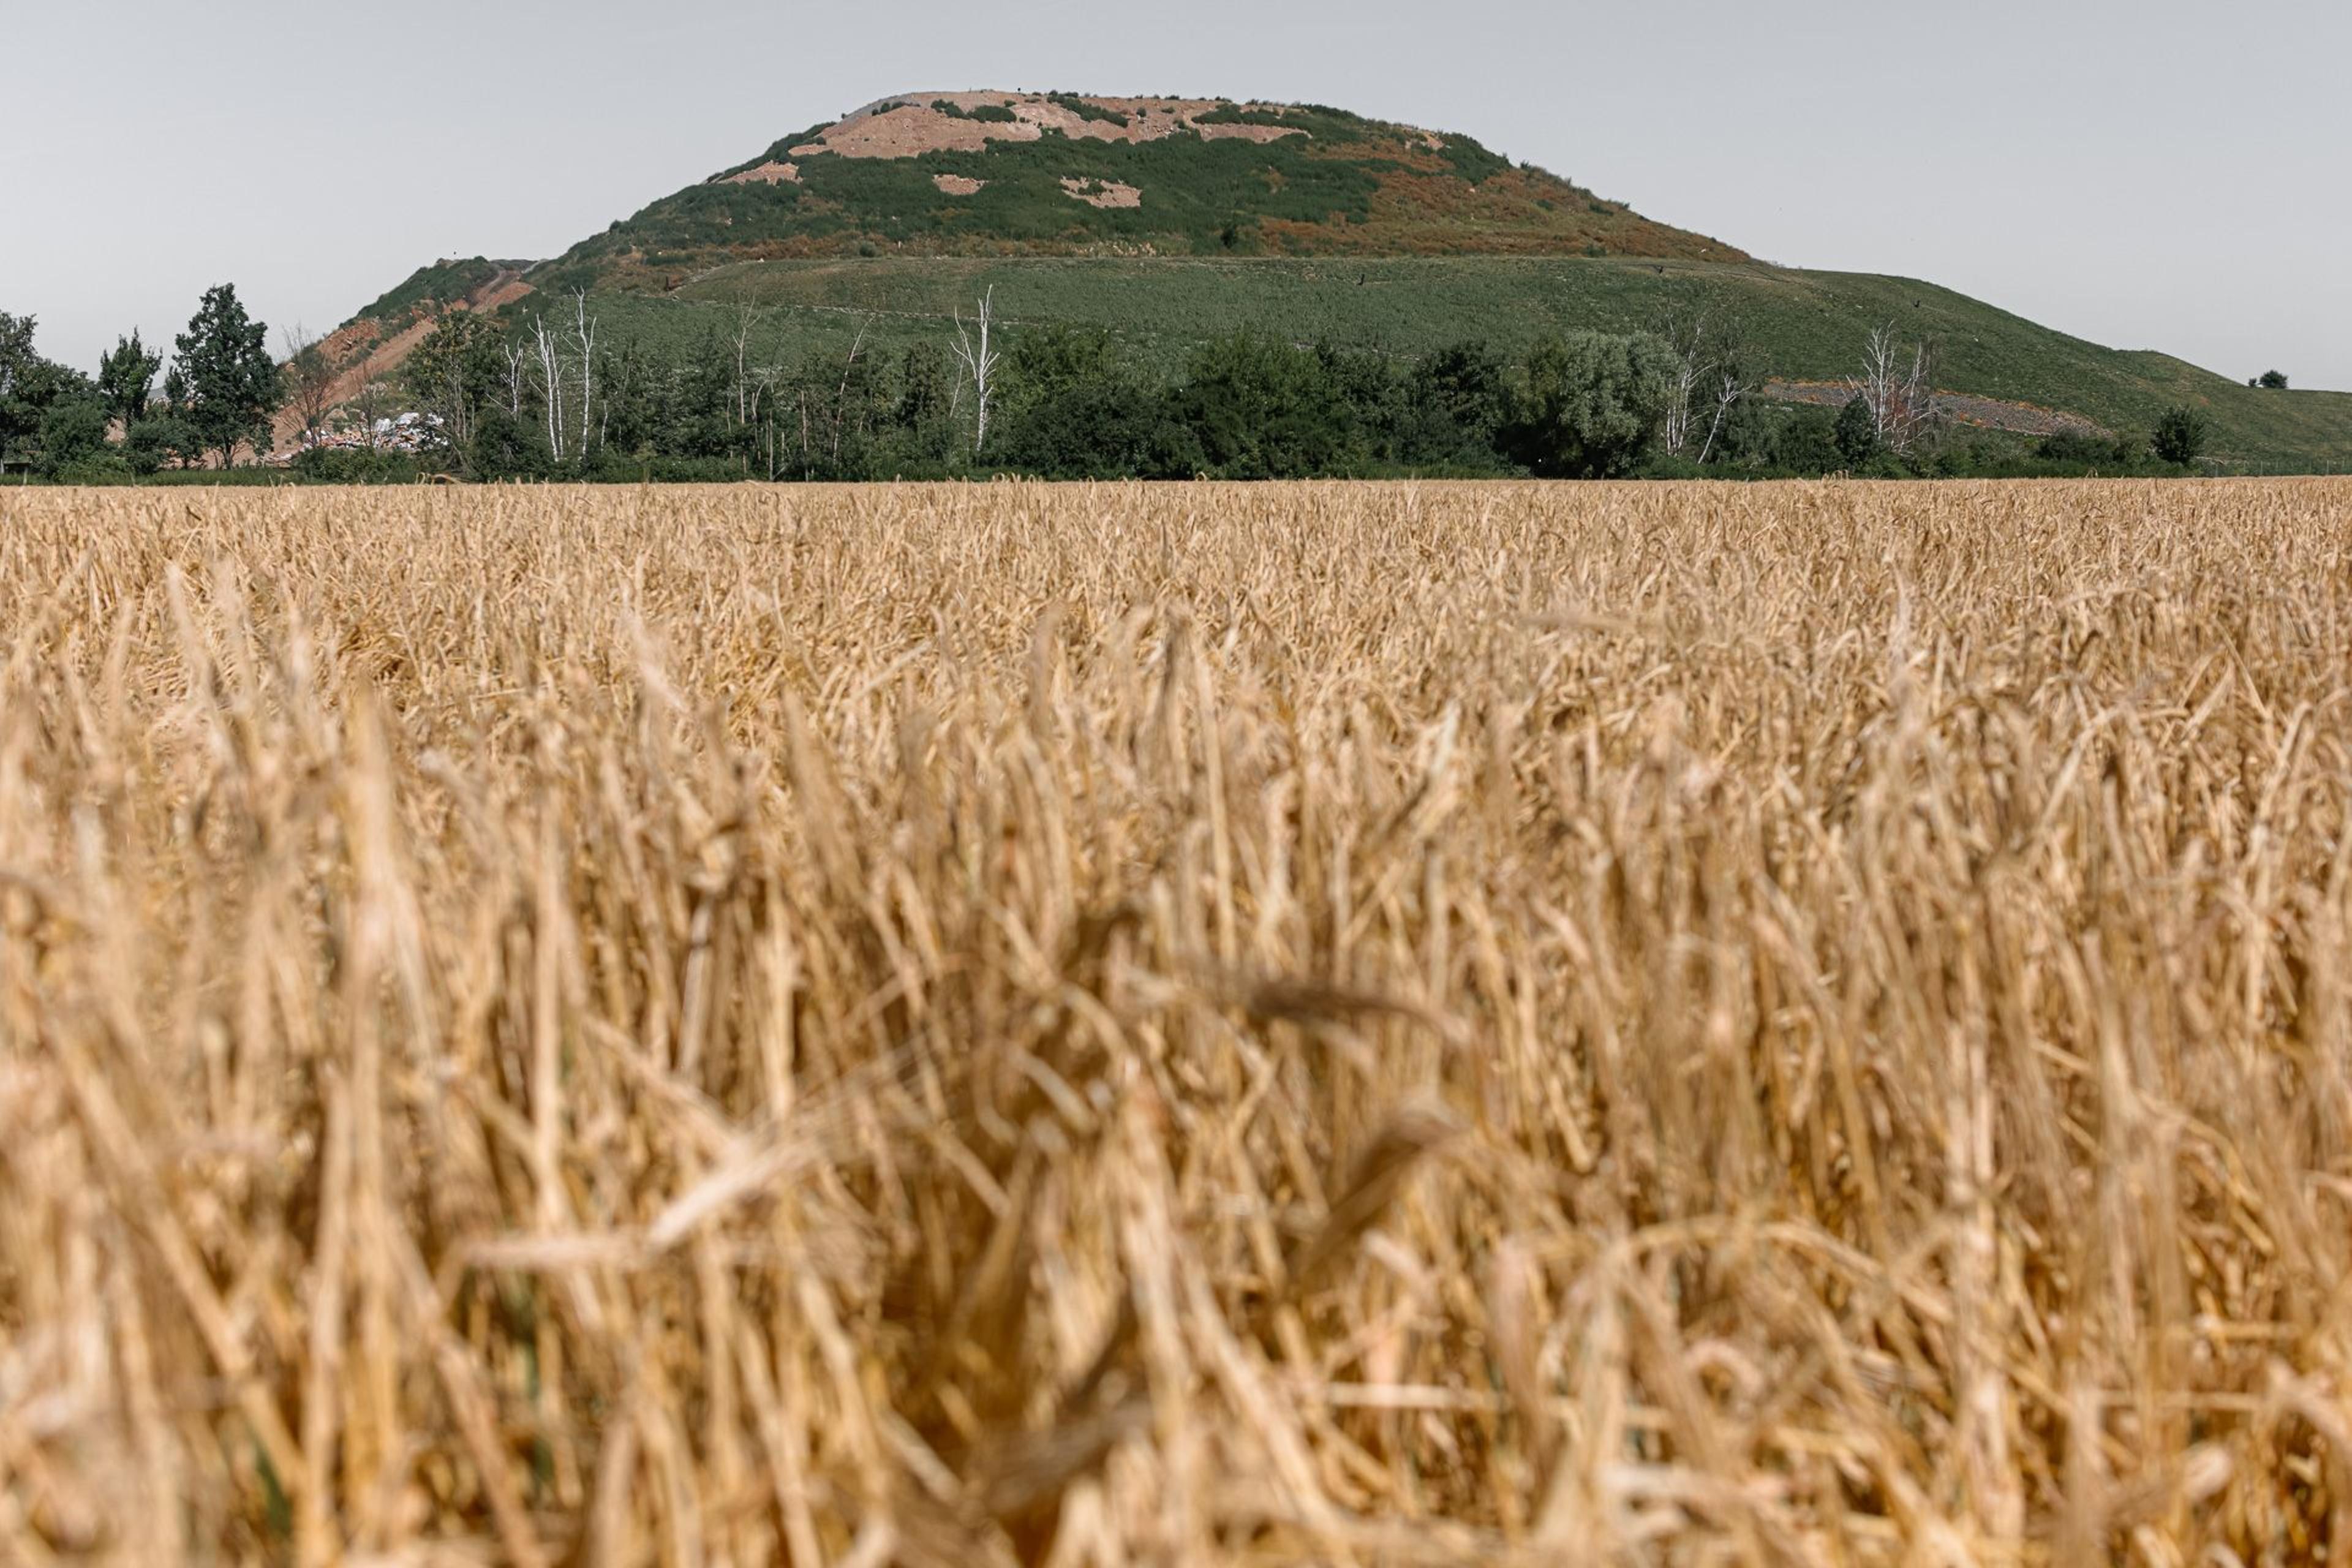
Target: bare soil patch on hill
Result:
[1103, 193]
[911, 126]
[366, 355]
[771, 173]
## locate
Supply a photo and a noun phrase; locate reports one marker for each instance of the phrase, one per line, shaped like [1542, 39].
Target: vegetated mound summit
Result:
[1006, 174]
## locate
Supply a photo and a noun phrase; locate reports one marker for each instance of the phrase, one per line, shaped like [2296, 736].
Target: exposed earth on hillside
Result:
[916, 124]
[1004, 173]
[372, 348]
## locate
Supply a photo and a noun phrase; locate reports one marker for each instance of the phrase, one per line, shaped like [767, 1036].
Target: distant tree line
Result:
[558, 399]
[1061, 402]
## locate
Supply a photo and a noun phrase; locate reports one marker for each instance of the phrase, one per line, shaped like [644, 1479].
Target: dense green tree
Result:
[454, 373]
[1857, 433]
[1453, 407]
[1370, 401]
[231, 385]
[1071, 409]
[2179, 436]
[2270, 381]
[160, 438]
[126, 379]
[29, 386]
[1588, 405]
[508, 446]
[825, 416]
[923, 419]
[638, 402]
[1258, 409]
[72, 432]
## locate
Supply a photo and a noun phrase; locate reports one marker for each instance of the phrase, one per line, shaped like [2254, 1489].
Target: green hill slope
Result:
[1168, 221]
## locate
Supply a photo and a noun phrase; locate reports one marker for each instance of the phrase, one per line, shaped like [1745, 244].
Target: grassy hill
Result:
[1166, 221]
[1004, 173]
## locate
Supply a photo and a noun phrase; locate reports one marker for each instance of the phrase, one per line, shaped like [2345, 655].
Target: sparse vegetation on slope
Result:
[994, 1025]
[1213, 179]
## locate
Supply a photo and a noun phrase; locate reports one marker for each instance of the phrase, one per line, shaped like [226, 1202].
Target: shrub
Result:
[2088, 449]
[159, 438]
[2180, 434]
[1806, 443]
[1857, 433]
[73, 430]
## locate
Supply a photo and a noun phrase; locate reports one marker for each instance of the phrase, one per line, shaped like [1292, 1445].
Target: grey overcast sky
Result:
[2147, 174]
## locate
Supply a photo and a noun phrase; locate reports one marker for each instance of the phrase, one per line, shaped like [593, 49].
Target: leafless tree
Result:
[841, 394]
[1732, 377]
[549, 351]
[1731, 385]
[517, 357]
[309, 381]
[372, 404]
[1694, 366]
[979, 361]
[584, 338]
[1900, 394]
[747, 321]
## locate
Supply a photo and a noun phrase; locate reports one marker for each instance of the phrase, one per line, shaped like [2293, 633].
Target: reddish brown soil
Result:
[911, 126]
[366, 355]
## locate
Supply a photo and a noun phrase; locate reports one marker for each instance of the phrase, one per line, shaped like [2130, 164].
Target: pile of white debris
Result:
[407, 434]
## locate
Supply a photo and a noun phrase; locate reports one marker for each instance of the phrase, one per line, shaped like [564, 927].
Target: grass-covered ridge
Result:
[437, 287]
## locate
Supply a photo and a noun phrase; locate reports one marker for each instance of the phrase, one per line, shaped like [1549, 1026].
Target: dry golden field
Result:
[1017, 1025]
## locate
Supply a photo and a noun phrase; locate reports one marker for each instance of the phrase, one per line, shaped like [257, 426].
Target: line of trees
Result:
[1067, 403]
[1056, 402]
[554, 396]
[217, 400]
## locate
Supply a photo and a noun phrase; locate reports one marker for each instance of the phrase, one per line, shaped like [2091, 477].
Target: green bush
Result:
[2180, 436]
[72, 432]
[158, 439]
[1806, 443]
[2089, 450]
[1085, 110]
[1264, 410]
[1588, 405]
[1857, 434]
[356, 465]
